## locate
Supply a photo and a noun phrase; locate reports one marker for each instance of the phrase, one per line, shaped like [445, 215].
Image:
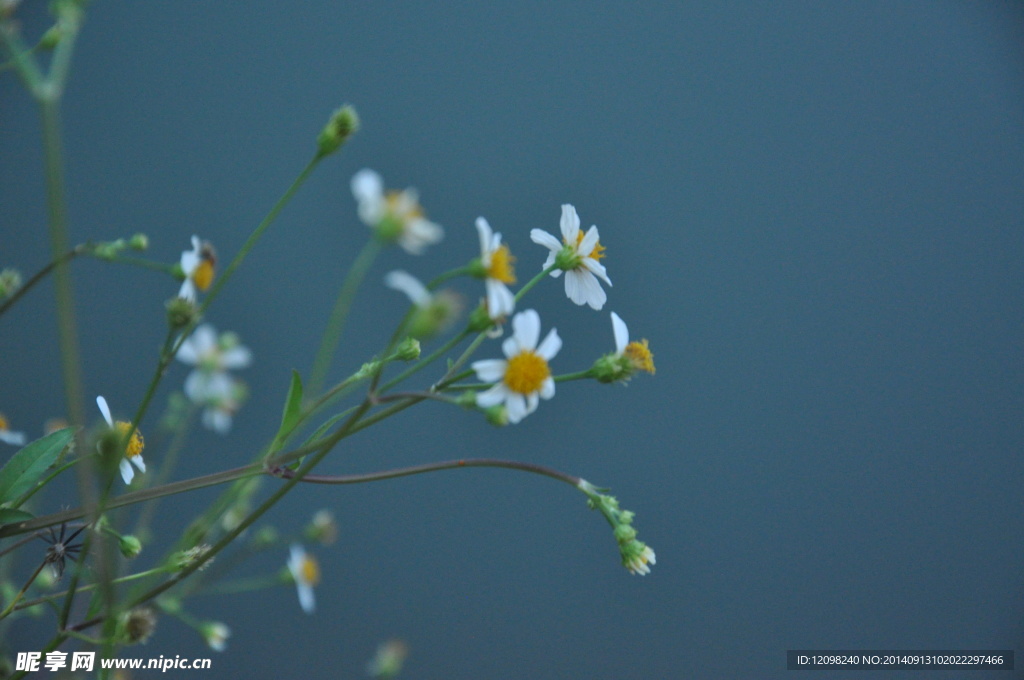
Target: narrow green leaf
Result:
[24, 469]
[292, 406]
[10, 516]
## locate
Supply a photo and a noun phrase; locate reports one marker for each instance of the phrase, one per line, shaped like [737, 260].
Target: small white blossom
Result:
[133, 452]
[523, 377]
[209, 384]
[395, 214]
[306, 573]
[497, 261]
[198, 265]
[216, 635]
[580, 253]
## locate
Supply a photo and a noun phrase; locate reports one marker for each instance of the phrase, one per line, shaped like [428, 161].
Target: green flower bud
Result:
[567, 258]
[611, 368]
[180, 313]
[130, 546]
[139, 242]
[265, 537]
[479, 321]
[51, 38]
[343, 124]
[367, 370]
[497, 415]
[408, 350]
[10, 281]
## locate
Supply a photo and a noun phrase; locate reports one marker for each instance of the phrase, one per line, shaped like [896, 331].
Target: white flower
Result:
[198, 266]
[9, 436]
[638, 354]
[497, 261]
[209, 384]
[395, 215]
[523, 377]
[306, 574]
[579, 254]
[404, 282]
[133, 452]
[216, 635]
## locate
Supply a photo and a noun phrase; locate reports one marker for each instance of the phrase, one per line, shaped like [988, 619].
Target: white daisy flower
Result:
[394, 215]
[306, 573]
[523, 377]
[9, 436]
[133, 452]
[497, 262]
[577, 254]
[198, 265]
[209, 384]
[216, 635]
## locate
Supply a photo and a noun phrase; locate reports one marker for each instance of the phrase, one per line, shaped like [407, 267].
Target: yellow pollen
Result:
[3, 422]
[136, 444]
[597, 253]
[202, 276]
[526, 372]
[398, 206]
[640, 356]
[501, 267]
[310, 571]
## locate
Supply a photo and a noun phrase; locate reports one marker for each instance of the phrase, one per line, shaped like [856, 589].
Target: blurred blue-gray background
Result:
[813, 211]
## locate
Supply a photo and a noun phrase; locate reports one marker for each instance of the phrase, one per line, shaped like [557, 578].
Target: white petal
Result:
[127, 474]
[531, 402]
[550, 260]
[139, 463]
[569, 224]
[526, 328]
[485, 232]
[493, 396]
[549, 348]
[490, 370]
[592, 291]
[306, 599]
[510, 347]
[419, 234]
[547, 388]
[621, 334]
[13, 438]
[543, 238]
[573, 287]
[500, 300]
[187, 290]
[586, 246]
[367, 186]
[236, 357]
[596, 268]
[105, 410]
[203, 339]
[217, 420]
[410, 285]
[516, 407]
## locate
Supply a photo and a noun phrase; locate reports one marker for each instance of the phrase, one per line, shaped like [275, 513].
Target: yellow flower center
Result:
[136, 444]
[597, 253]
[3, 422]
[501, 268]
[202, 276]
[640, 356]
[309, 571]
[397, 204]
[526, 372]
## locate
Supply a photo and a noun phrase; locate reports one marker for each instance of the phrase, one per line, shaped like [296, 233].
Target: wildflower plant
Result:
[118, 581]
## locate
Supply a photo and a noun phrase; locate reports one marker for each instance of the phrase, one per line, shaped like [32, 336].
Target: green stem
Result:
[336, 322]
[533, 282]
[91, 586]
[21, 593]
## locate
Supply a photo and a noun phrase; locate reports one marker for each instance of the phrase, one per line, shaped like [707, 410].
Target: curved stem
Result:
[532, 468]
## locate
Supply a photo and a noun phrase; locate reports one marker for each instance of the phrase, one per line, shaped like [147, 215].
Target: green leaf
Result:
[24, 469]
[10, 516]
[292, 406]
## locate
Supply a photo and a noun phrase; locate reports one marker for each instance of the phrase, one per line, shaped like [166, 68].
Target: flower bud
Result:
[408, 350]
[138, 242]
[180, 313]
[130, 546]
[343, 124]
[10, 281]
[137, 625]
